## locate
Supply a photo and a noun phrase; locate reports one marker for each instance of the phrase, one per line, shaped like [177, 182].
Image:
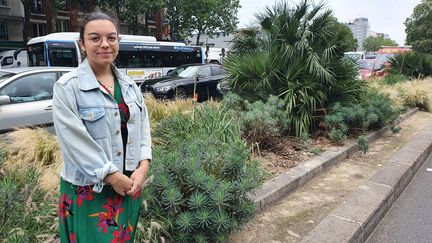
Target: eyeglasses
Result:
[96, 40]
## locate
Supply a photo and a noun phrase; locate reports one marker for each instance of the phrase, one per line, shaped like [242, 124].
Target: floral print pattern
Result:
[121, 235]
[84, 193]
[64, 208]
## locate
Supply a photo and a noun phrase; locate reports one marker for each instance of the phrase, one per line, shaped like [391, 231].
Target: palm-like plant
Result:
[297, 54]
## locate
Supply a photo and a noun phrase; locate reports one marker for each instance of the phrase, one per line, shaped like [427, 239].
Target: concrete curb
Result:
[356, 218]
[284, 184]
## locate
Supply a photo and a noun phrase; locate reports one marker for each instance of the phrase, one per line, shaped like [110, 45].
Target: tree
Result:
[130, 11]
[297, 53]
[209, 16]
[374, 43]
[419, 33]
[201, 16]
[27, 4]
[343, 36]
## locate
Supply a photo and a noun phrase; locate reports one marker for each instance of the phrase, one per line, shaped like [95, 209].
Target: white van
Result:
[13, 58]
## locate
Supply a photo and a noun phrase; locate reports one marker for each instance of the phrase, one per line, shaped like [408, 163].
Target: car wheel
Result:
[180, 93]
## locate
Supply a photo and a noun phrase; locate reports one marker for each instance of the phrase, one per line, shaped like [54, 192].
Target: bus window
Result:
[36, 55]
[65, 57]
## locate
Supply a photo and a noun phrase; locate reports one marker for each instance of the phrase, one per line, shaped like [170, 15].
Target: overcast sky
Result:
[385, 16]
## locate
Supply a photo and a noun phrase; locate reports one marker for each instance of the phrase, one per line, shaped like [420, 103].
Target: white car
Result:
[26, 96]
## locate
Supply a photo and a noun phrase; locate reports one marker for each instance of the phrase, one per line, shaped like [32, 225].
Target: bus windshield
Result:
[36, 55]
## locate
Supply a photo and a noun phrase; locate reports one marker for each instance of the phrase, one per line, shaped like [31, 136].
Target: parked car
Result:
[370, 68]
[26, 96]
[182, 81]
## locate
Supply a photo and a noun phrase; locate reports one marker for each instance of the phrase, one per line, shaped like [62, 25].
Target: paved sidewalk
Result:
[294, 216]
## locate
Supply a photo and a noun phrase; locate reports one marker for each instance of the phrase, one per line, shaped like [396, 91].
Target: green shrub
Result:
[337, 136]
[202, 176]
[412, 64]
[316, 150]
[264, 122]
[363, 143]
[393, 78]
[375, 111]
[295, 57]
[29, 214]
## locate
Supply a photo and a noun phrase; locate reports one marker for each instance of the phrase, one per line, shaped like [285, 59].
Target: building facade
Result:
[50, 16]
[11, 24]
[361, 30]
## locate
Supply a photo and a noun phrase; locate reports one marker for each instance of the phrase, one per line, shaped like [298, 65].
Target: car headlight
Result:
[162, 88]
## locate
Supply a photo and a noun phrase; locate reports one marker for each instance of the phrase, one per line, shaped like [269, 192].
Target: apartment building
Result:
[49, 16]
[361, 30]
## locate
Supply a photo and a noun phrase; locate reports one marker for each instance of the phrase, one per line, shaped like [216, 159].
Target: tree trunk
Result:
[198, 38]
[27, 14]
[146, 25]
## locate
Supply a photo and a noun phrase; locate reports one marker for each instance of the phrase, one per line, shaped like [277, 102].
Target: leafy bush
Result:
[295, 57]
[264, 122]
[374, 112]
[412, 64]
[203, 174]
[394, 78]
[29, 214]
[417, 95]
[363, 143]
[337, 136]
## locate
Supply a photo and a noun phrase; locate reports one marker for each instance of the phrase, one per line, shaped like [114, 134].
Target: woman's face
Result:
[100, 43]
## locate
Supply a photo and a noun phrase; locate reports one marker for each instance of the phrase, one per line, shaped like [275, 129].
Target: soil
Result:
[291, 152]
[294, 216]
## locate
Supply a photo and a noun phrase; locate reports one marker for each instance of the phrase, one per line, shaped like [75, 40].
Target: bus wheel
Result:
[180, 93]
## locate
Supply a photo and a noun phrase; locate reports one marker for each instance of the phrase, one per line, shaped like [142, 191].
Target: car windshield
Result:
[175, 72]
[369, 64]
[5, 75]
[384, 57]
[365, 64]
[188, 72]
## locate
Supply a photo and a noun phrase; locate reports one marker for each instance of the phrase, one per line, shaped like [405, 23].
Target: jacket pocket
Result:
[94, 120]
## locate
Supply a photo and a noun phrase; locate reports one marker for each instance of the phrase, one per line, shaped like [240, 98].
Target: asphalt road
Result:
[410, 218]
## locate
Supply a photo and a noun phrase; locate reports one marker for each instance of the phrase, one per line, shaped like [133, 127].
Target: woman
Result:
[103, 129]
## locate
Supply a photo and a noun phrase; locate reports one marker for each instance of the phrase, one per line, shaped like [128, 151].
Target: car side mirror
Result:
[170, 72]
[200, 76]
[4, 100]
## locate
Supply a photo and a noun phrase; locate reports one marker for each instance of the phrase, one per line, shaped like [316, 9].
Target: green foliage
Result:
[130, 12]
[316, 150]
[29, 214]
[394, 78]
[374, 112]
[263, 122]
[419, 33]
[363, 143]
[294, 56]
[337, 135]
[372, 43]
[203, 175]
[412, 64]
[395, 129]
[201, 17]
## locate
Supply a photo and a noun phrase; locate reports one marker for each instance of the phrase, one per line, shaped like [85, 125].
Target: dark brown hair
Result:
[95, 16]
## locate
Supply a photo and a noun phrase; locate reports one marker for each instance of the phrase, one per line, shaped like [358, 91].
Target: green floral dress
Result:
[86, 216]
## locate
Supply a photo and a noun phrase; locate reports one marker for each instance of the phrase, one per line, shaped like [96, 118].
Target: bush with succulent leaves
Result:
[202, 176]
[375, 111]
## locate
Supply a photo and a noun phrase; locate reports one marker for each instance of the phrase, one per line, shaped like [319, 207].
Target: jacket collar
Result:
[88, 80]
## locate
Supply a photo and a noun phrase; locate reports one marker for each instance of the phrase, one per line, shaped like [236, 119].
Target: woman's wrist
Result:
[144, 162]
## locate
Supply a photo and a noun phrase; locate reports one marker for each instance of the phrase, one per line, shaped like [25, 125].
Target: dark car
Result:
[187, 80]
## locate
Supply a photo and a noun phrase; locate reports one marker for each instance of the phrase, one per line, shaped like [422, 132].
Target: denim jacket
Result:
[87, 123]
